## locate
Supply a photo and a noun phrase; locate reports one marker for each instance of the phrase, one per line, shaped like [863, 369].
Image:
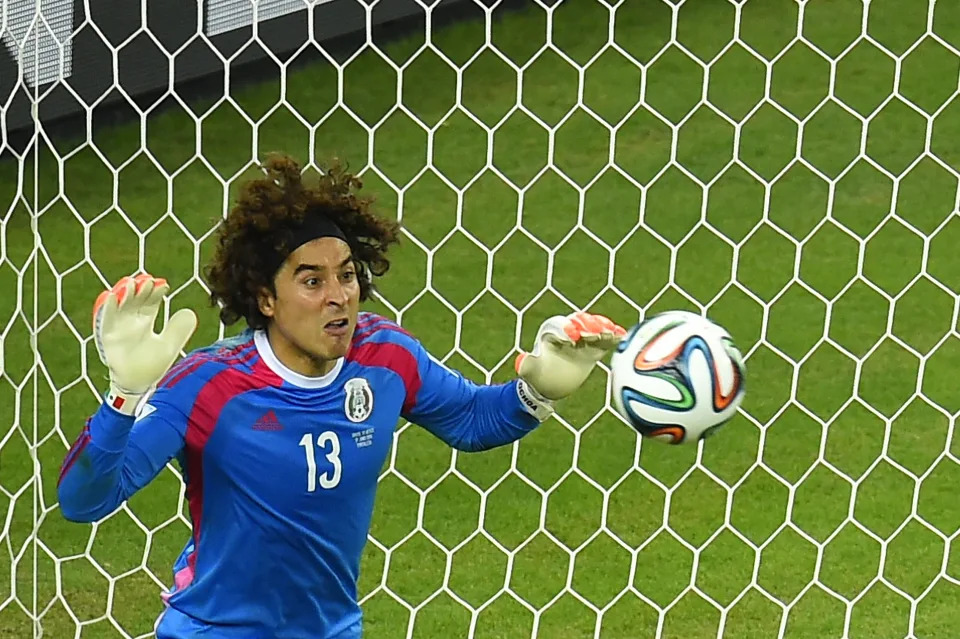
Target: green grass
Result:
[776, 529]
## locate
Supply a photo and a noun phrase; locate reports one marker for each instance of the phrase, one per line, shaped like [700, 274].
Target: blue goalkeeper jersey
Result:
[280, 472]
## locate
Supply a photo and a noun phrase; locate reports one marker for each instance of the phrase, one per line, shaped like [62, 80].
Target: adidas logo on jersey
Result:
[268, 421]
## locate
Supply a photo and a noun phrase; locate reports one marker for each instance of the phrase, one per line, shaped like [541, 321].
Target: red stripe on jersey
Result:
[191, 364]
[185, 363]
[187, 366]
[223, 355]
[367, 328]
[366, 319]
[362, 335]
[222, 387]
[75, 451]
[396, 358]
[177, 367]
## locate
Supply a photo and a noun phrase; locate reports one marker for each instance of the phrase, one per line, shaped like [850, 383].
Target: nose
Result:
[336, 293]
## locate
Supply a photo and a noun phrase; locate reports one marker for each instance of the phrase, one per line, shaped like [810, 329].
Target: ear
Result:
[266, 302]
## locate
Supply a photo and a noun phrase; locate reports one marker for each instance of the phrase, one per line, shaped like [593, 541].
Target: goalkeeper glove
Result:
[564, 353]
[135, 355]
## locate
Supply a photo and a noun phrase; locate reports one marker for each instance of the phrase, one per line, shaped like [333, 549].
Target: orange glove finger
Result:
[518, 361]
[573, 329]
[143, 278]
[597, 324]
[609, 325]
[120, 288]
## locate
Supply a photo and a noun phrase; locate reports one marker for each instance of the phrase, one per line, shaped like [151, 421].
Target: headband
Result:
[299, 233]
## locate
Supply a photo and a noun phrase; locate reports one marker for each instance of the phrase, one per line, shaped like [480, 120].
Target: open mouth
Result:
[336, 328]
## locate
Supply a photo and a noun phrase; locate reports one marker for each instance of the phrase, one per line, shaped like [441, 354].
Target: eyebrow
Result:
[316, 267]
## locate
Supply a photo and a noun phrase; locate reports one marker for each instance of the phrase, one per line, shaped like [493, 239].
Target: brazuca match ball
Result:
[677, 377]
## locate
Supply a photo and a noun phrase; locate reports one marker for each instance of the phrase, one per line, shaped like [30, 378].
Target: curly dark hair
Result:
[256, 234]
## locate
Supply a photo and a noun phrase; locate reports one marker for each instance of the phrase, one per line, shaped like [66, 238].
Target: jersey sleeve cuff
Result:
[533, 402]
[122, 401]
[110, 429]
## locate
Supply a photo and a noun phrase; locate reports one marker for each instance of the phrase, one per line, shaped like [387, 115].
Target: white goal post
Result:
[788, 168]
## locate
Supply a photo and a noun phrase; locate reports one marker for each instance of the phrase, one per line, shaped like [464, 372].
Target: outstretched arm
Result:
[114, 457]
[475, 417]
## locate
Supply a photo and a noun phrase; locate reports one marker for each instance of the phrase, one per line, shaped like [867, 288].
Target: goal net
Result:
[787, 167]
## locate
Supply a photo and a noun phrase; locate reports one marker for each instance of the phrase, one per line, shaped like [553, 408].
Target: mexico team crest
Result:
[359, 402]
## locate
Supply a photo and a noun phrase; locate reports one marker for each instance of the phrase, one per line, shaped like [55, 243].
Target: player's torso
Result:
[305, 456]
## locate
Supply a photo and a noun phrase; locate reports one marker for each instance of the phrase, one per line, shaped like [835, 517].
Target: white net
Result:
[788, 167]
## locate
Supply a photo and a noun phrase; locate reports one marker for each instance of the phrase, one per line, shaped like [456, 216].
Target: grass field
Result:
[825, 510]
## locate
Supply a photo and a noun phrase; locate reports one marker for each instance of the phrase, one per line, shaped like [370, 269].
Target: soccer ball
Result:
[677, 377]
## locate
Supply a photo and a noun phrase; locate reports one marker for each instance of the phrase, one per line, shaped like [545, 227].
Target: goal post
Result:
[787, 167]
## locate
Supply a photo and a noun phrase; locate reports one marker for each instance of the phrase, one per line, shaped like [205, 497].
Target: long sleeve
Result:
[112, 459]
[466, 415]
[115, 456]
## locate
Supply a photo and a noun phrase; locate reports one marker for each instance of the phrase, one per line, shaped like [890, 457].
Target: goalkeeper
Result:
[281, 431]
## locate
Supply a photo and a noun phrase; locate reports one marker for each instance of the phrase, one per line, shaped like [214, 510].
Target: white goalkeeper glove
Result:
[135, 355]
[564, 353]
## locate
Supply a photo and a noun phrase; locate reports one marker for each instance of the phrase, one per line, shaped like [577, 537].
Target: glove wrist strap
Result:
[124, 402]
[533, 402]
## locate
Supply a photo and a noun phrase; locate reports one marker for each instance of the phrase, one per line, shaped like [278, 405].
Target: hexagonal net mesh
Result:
[789, 167]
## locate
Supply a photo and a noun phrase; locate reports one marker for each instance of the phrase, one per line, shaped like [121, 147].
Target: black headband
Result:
[299, 233]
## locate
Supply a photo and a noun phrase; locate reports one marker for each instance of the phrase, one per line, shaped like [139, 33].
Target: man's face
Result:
[313, 314]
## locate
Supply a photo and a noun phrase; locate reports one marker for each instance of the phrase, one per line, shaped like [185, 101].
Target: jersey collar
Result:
[286, 374]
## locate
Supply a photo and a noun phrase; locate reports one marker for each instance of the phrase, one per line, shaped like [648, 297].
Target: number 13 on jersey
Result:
[328, 480]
